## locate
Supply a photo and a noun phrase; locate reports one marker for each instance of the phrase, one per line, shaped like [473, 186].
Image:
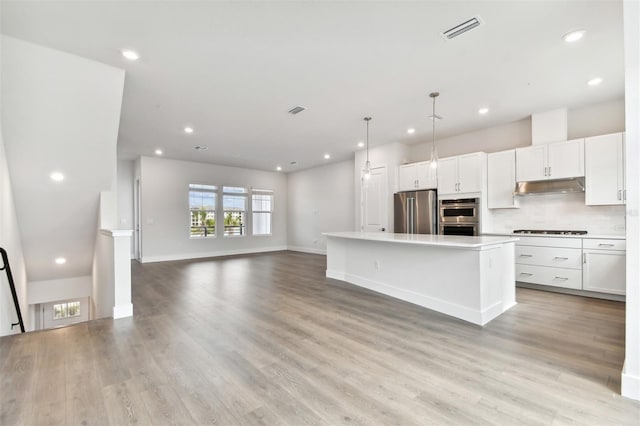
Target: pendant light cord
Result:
[433, 132]
[367, 119]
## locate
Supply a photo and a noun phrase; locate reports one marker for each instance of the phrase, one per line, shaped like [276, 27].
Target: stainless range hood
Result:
[558, 186]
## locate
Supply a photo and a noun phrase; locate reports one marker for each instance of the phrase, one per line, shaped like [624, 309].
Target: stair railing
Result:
[7, 268]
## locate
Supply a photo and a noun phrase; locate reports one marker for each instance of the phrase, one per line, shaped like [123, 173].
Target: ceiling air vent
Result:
[459, 29]
[296, 110]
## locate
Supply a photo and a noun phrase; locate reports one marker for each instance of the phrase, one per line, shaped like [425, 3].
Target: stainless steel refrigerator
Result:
[415, 212]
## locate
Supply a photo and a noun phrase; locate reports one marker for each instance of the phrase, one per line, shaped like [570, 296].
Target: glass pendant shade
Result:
[433, 158]
[366, 172]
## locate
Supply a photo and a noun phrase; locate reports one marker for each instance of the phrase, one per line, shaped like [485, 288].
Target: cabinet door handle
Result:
[526, 274]
[560, 258]
[561, 278]
[526, 255]
[545, 171]
[549, 170]
[624, 195]
[619, 194]
[606, 245]
[584, 257]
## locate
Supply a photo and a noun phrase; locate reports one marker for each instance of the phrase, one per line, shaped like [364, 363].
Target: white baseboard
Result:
[462, 312]
[630, 385]
[307, 250]
[187, 256]
[123, 311]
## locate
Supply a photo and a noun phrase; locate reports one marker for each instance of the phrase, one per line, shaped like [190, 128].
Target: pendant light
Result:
[434, 151]
[367, 165]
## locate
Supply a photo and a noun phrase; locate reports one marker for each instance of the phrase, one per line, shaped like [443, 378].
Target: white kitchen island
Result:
[471, 278]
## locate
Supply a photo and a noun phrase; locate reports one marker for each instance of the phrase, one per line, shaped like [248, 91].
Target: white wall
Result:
[492, 139]
[60, 289]
[165, 209]
[60, 112]
[556, 211]
[598, 119]
[126, 171]
[319, 200]
[631, 372]
[11, 242]
[391, 156]
[592, 120]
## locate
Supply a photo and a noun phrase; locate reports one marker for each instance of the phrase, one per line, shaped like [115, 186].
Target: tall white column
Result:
[631, 371]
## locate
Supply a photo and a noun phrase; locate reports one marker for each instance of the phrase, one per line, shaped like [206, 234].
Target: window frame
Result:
[208, 188]
[271, 193]
[245, 194]
[66, 310]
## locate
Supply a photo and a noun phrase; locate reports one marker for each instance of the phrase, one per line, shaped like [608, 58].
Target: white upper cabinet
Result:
[461, 174]
[565, 159]
[448, 175]
[501, 180]
[416, 176]
[558, 160]
[531, 163]
[604, 170]
[427, 176]
[407, 175]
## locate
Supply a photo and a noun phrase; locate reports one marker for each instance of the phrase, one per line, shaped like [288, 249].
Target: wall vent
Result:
[462, 28]
[296, 110]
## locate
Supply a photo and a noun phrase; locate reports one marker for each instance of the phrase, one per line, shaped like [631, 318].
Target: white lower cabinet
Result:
[589, 264]
[604, 267]
[549, 261]
[546, 275]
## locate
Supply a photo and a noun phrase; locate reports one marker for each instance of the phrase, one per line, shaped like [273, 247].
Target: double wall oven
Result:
[459, 217]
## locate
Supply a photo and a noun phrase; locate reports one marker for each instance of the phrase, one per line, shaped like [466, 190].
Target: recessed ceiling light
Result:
[61, 260]
[130, 55]
[158, 152]
[483, 111]
[360, 144]
[327, 156]
[279, 168]
[56, 176]
[594, 81]
[411, 131]
[188, 130]
[573, 36]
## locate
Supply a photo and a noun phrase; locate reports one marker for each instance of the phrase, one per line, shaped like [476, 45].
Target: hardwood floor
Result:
[267, 339]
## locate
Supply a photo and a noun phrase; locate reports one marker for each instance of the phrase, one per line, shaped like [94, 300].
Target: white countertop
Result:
[590, 236]
[425, 240]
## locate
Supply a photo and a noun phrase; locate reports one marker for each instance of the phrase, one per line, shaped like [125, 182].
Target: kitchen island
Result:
[471, 278]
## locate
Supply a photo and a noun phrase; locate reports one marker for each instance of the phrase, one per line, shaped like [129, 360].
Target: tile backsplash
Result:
[556, 211]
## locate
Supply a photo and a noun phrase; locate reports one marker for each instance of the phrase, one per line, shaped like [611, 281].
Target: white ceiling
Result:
[233, 69]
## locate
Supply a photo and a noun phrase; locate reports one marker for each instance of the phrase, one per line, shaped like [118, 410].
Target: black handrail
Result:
[6, 267]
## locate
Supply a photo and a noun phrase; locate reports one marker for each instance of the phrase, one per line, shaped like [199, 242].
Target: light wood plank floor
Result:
[267, 339]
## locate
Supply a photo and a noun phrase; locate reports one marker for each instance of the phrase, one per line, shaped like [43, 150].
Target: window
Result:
[66, 310]
[234, 203]
[261, 206]
[202, 208]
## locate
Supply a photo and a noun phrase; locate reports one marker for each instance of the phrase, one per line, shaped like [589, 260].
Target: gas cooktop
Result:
[548, 232]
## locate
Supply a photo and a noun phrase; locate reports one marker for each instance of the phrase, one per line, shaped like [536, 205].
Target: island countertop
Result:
[451, 241]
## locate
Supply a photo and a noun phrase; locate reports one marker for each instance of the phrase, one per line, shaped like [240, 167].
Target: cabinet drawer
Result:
[549, 256]
[600, 244]
[549, 241]
[543, 275]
